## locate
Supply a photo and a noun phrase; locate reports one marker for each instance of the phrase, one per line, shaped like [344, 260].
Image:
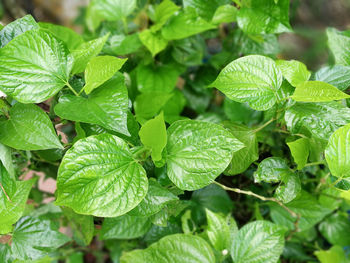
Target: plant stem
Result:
[335, 182]
[263, 198]
[71, 88]
[264, 125]
[125, 25]
[8, 198]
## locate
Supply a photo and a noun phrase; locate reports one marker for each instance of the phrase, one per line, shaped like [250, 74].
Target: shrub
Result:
[181, 138]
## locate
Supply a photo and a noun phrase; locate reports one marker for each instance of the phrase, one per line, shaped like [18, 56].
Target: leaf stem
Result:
[336, 182]
[264, 125]
[125, 25]
[71, 88]
[263, 198]
[314, 163]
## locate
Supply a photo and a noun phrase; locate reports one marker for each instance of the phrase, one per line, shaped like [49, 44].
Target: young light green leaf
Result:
[153, 41]
[153, 135]
[28, 128]
[335, 230]
[110, 10]
[120, 45]
[243, 158]
[99, 70]
[254, 79]
[86, 51]
[99, 176]
[147, 105]
[300, 151]
[256, 242]
[106, 106]
[157, 197]
[335, 254]
[337, 75]
[162, 13]
[338, 152]
[16, 28]
[13, 198]
[72, 39]
[125, 227]
[152, 78]
[220, 229]
[33, 239]
[34, 66]
[197, 152]
[319, 119]
[317, 91]
[225, 14]
[339, 44]
[173, 249]
[185, 24]
[264, 17]
[294, 71]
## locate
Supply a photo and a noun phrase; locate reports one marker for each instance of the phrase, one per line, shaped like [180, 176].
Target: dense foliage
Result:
[174, 135]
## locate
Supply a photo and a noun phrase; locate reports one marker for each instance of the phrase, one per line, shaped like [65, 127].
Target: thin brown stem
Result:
[263, 198]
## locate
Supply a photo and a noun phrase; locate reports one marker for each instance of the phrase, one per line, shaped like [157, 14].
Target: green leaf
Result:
[106, 106]
[338, 152]
[17, 28]
[243, 158]
[306, 205]
[335, 230]
[225, 14]
[264, 17]
[153, 78]
[271, 170]
[5, 252]
[204, 9]
[162, 13]
[34, 66]
[86, 51]
[82, 225]
[214, 198]
[157, 197]
[334, 255]
[319, 119]
[275, 169]
[198, 152]
[294, 71]
[13, 198]
[28, 128]
[254, 79]
[317, 91]
[147, 105]
[337, 75]
[33, 239]
[110, 10]
[220, 229]
[72, 39]
[125, 227]
[122, 44]
[99, 70]
[259, 241]
[154, 42]
[173, 249]
[300, 151]
[99, 176]
[339, 44]
[188, 51]
[6, 159]
[153, 135]
[185, 24]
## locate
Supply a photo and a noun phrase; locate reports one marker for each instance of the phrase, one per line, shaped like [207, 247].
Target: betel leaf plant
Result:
[174, 133]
